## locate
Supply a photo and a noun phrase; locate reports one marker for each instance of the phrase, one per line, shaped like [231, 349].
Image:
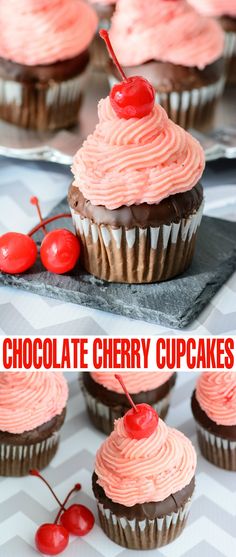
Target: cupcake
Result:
[225, 12]
[106, 402]
[179, 51]
[104, 10]
[136, 200]
[144, 480]
[32, 412]
[43, 61]
[214, 410]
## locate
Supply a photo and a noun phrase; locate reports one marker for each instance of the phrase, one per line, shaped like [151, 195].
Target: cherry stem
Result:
[119, 378]
[38, 475]
[76, 487]
[47, 221]
[104, 35]
[35, 201]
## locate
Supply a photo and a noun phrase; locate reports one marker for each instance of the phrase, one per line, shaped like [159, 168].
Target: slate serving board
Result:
[173, 303]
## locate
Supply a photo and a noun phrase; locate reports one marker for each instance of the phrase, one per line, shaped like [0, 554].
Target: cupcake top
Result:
[135, 471]
[30, 399]
[216, 395]
[135, 382]
[168, 31]
[35, 32]
[215, 8]
[134, 161]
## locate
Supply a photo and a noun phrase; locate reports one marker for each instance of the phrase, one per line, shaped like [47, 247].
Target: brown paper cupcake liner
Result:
[217, 450]
[42, 106]
[17, 460]
[137, 255]
[190, 109]
[103, 416]
[143, 534]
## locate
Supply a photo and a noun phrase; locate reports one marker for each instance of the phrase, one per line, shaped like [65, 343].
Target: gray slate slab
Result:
[174, 303]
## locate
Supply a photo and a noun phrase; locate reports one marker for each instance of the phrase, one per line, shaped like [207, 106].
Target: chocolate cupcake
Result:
[106, 402]
[104, 10]
[225, 12]
[214, 410]
[136, 200]
[32, 412]
[144, 480]
[179, 51]
[44, 59]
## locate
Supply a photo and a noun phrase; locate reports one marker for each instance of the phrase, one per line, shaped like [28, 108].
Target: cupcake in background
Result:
[105, 10]
[214, 410]
[44, 59]
[32, 412]
[144, 480]
[106, 401]
[225, 12]
[179, 51]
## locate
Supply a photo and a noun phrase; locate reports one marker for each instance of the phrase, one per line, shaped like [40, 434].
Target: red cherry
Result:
[51, 539]
[18, 252]
[142, 420]
[60, 251]
[78, 520]
[135, 96]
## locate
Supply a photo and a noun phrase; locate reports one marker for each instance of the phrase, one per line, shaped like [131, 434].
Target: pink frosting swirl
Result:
[216, 394]
[134, 382]
[30, 399]
[215, 8]
[45, 31]
[135, 471]
[167, 31]
[126, 162]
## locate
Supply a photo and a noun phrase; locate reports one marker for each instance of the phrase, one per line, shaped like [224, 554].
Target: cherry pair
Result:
[59, 250]
[52, 539]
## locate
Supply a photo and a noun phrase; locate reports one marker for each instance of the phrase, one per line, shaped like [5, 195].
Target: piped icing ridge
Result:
[30, 399]
[167, 31]
[216, 394]
[135, 382]
[135, 471]
[126, 162]
[45, 31]
[215, 8]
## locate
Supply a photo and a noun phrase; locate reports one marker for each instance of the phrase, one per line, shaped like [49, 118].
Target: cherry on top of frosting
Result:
[142, 420]
[134, 97]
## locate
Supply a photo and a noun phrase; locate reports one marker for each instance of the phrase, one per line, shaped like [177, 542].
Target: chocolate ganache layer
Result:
[167, 77]
[112, 398]
[58, 71]
[169, 210]
[146, 510]
[34, 435]
[226, 432]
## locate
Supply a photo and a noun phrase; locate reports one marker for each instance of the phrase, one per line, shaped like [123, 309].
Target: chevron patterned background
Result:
[27, 313]
[25, 503]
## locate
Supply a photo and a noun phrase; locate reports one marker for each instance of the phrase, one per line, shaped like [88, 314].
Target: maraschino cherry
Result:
[60, 248]
[18, 252]
[134, 97]
[142, 420]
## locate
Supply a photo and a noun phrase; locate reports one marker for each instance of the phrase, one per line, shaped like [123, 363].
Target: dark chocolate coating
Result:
[146, 510]
[226, 432]
[34, 435]
[111, 398]
[169, 210]
[58, 71]
[167, 77]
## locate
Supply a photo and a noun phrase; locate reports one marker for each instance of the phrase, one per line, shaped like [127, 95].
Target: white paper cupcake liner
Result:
[17, 460]
[219, 451]
[143, 534]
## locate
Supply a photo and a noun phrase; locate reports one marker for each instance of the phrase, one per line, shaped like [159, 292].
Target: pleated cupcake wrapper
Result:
[42, 106]
[103, 416]
[143, 534]
[230, 45]
[217, 450]
[17, 460]
[190, 109]
[137, 255]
